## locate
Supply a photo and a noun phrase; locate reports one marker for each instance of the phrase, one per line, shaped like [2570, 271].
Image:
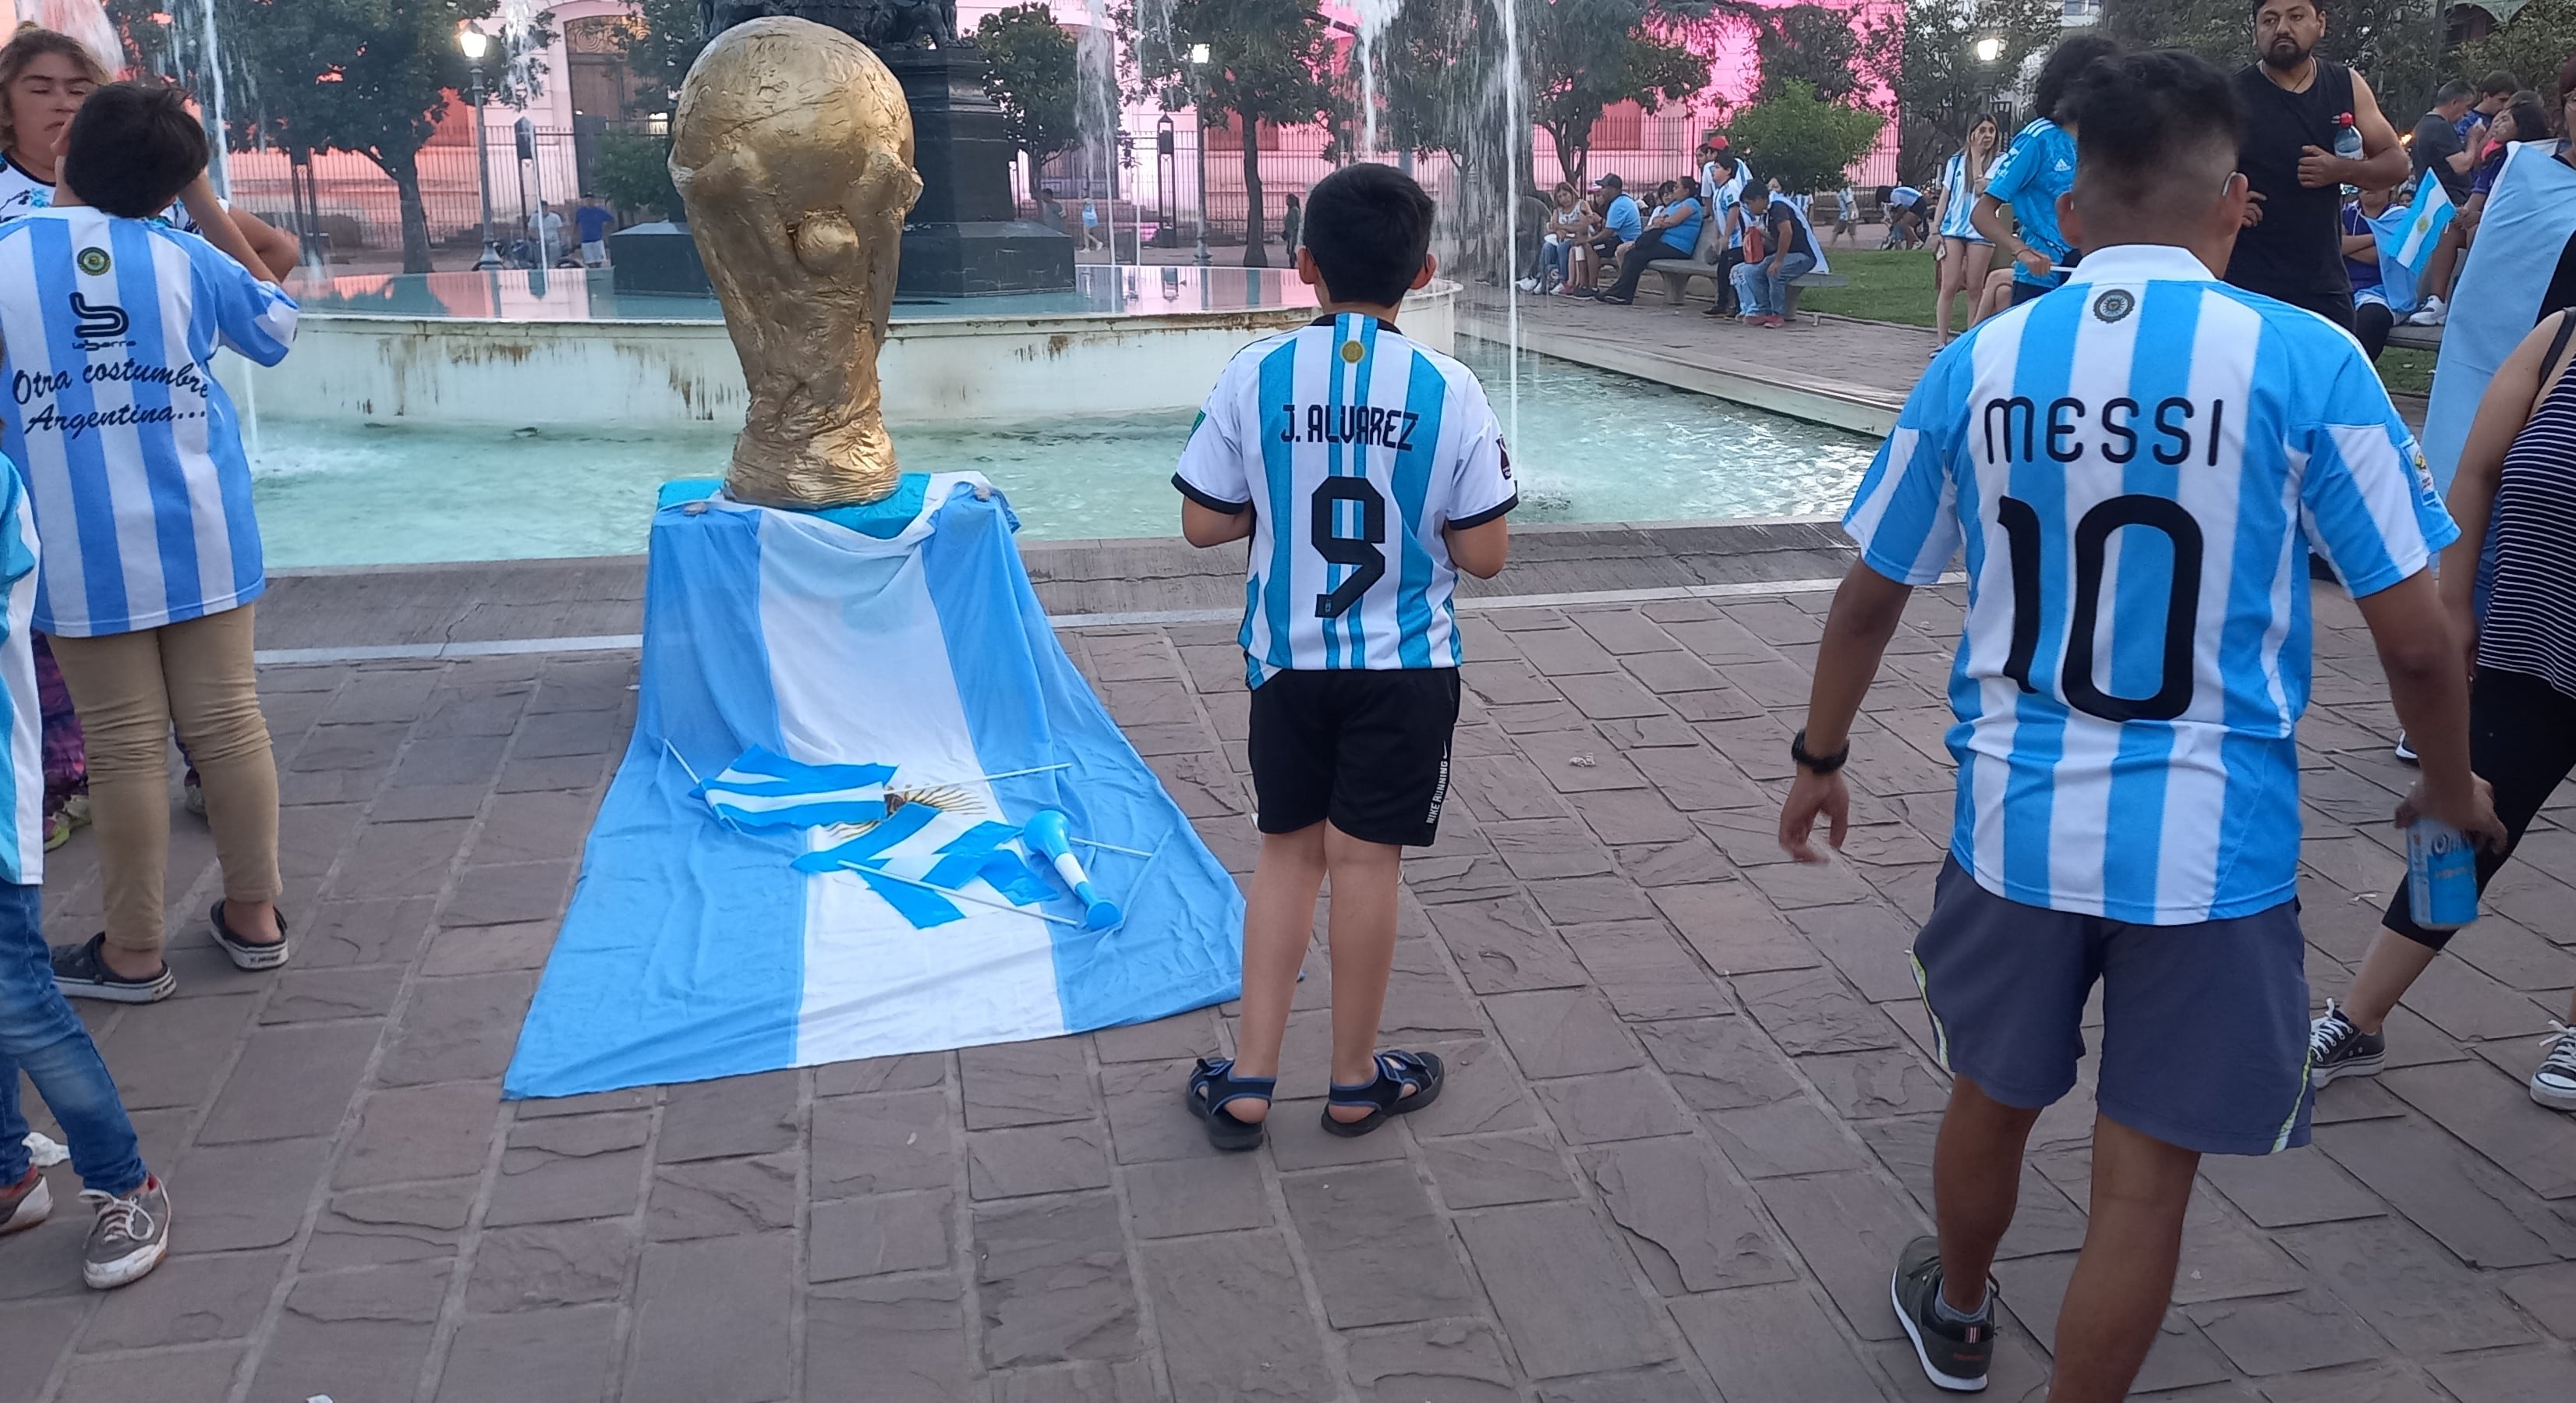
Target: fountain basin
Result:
[517, 349]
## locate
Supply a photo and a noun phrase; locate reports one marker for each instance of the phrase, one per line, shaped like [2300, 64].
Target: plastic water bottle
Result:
[2441, 875]
[2347, 138]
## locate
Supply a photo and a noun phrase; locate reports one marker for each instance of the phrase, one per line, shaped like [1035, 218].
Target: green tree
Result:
[1808, 44]
[2396, 44]
[1438, 66]
[662, 41]
[1801, 140]
[1580, 56]
[1929, 60]
[2530, 46]
[1267, 62]
[632, 171]
[368, 76]
[1033, 74]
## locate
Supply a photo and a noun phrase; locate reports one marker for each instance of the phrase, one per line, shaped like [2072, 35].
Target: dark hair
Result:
[1369, 228]
[2048, 94]
[2530, 119]
[133, 147]
[2499, 82]
[2452, 92]
[1611, 181]
[2149, 126]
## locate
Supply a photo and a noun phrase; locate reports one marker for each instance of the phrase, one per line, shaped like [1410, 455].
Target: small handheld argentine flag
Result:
[2407, 236]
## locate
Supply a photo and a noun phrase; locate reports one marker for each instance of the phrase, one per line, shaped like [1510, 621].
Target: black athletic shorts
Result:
[1368, 750]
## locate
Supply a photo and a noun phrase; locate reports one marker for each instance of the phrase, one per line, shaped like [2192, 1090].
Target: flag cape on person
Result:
[2407, 235]
[2530, 214]
[786, 649]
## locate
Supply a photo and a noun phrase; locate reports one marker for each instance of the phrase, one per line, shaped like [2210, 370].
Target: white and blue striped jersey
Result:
[2136, 464]
[131, 450]
[22, 191]
[22, 782]
[1354, 448]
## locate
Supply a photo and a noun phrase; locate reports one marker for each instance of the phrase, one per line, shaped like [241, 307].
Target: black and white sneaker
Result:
[81, 972]
[1954, 1354]
[2554, 1085]
[2338, 1048]
[2405, 752]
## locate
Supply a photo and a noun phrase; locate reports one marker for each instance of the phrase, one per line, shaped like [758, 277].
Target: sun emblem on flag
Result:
[2114, 304]
[947, 798]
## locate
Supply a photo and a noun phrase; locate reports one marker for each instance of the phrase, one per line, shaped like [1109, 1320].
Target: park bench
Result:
[2415, 338]
[1678, 272]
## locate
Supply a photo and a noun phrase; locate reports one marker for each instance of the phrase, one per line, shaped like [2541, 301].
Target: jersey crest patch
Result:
[2114, 305]
[94, 261]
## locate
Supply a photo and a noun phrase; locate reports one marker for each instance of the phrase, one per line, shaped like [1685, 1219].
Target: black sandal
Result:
[1213, 1087]
[1385, 1096]
[245, 954]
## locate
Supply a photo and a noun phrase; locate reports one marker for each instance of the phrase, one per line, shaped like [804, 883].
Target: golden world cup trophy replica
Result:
[792, 148]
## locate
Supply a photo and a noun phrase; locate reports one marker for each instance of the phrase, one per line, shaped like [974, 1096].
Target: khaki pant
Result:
[131, 689]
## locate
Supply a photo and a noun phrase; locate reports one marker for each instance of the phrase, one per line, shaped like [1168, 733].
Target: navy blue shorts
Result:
[2204, 1027]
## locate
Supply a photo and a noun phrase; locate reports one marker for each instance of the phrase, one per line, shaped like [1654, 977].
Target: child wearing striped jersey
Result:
[109, 322]
[1366, 470]
[2136, 465]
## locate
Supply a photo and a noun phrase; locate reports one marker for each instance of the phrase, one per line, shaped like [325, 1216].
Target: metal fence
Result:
[345, 205]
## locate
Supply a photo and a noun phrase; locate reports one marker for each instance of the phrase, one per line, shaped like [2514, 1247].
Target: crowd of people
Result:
[130, 557]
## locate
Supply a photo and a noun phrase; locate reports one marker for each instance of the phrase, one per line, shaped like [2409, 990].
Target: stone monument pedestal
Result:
[964, 238]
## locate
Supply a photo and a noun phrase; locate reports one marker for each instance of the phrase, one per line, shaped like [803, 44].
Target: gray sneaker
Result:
[2338, 1048]
[26, 1203]
[130, 1237]
[1954, 1354]
[2554, 1085]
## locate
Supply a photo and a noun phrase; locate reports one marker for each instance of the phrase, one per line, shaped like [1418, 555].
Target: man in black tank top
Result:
[2297, 109]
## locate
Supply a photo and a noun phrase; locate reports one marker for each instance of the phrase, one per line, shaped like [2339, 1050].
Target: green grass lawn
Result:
[1895, 285]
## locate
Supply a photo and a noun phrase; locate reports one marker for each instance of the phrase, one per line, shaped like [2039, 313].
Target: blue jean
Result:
[40, 1036]
[1553, 258]
[1762, 292]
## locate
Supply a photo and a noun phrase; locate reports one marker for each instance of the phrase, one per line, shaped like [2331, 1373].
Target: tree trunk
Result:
[1253, 254]
[1573, 150]
[404, 167]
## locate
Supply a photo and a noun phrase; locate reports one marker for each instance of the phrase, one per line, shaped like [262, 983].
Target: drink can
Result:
[2441, 875]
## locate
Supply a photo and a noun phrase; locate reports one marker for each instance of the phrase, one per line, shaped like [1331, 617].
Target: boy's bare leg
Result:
[1976, 1183]
[1362, 928]
[1278, 923]
[2123, 1282]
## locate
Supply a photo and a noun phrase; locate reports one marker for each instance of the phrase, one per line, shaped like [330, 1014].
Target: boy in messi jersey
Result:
[1367, 471]
[2136, 465]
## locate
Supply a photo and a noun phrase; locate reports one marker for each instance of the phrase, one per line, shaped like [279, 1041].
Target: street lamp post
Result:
[475, 42]
[1198, 91]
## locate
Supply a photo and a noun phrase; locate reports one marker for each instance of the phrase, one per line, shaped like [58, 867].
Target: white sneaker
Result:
[1528, 284]
[2433, 313]
[2554, 1085]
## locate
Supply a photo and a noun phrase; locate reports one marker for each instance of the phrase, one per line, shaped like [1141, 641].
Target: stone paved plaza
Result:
[1689, 1120]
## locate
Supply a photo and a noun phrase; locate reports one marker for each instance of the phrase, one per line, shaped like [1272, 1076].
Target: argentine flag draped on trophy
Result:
[812, 851]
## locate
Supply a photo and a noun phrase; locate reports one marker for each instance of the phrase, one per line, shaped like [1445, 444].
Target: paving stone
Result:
[551, 1264]
[1480, 1092]
[1734, 929]
[1540, 848]
[1664, 1385]
[1692, 1227]
[1509, 786]
[2417, 1296]
[2290, 1188]
[562, 1356]
[721, 1197]
[1794, 886]
[1191, 1034]
[1691, 861]
[1125, 1381]
[906, 1336]
[1872, 946]
[181, 1376]
[318, 995]
[753, 1115]
[1629, 1105]
[2548, 1293]
[917, 1071]
[420, 803]
[2222, 1259]
[1148, 1120]
[1037, 1159]
[2493, 1113]
[2280, 1334]
[1504, 946]
[291, 1083]
[1644, 972]
[1849, 1227]
[243, 1196]
[1809, 1011]
[1186, 1197]
[513, 893]
[712, 1320]
[1379, 1252]
[878, 1234]
[2469, 1006]
[1298, 1140]
[188, 1299]
[457, 1029]
[1052, 1281]
[1697, 779]
[1445, 1361]
[2524, 1376]
[2482, 1216]
[1772, 1341]
[379, 1227]
[399, 859]
[1576, 900]
[162, 1060]
[1485, 1170]
[571, 1167]
[36, 1334]
[364, 931]
[1562, 1033]
[1029, 1083]
[1622, 819]
[2362, 1383]
[357, 1334]
[2034, 1289]
[1564, 1297]
[877, 1143]
[533, 827]
[1233, 1318]
[1868, 1085]
[1719, 1064]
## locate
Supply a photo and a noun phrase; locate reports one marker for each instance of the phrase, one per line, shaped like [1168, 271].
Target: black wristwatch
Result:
[1817, 764]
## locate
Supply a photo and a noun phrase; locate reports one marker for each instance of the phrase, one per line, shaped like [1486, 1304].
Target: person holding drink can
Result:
[2518, 474]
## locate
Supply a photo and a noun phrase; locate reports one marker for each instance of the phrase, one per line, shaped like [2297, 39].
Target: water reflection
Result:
[536, 294]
